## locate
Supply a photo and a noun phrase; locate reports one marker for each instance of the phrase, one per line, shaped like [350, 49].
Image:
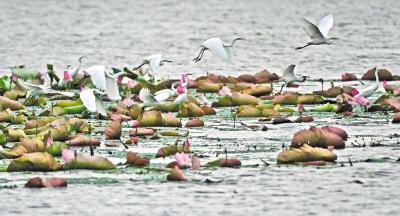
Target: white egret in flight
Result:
[218, 48]
[154, 61]
[289, 76]
[371, 89]
[37, 90]
[104, 81]
[318, 34]
[91, 99]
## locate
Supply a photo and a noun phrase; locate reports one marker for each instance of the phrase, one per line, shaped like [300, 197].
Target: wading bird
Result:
[91, 99]
[371, 89]
[154, 61]
[289, 76]
[176, 88]
[164, 94]
[103, 80]
[69, 74]
[318, 34]
[360, 101]
[218, 48]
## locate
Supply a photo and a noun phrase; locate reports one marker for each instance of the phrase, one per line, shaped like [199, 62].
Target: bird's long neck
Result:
[232, 42]
[174, 85]
[376, 76]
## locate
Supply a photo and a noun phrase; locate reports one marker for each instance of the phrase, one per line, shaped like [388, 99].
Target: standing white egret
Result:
[104, 81]
[154, 61]
[67, 76]
[91, 99]
[371, 89]
[72, 73]
[218, 48]
[164, 94]
[176, 87]
[318, 34]
[289, 76]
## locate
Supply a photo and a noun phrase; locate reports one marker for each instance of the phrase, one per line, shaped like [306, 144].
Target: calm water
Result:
[121, 32]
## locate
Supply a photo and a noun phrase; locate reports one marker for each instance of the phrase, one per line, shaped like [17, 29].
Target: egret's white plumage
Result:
[181, 98]
[40, 89]
[218, 48]
[290, 76]
[145, 96]
[154, 62]
[318, 34]
[97, 75]
[371, 89]
[325, 25]
[164, 94]
[75, 71]
[105, 81]
[60, 76]
[91, 99]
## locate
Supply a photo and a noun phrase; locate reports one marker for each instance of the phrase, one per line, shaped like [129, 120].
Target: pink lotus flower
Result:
[116, 117]
[186, 143]
[195, 162]
[360, 100]
[184, 78]
[300, 108]
[385, 84]
[42, 75]
[67, 154]
[225, 91]
[132, 83]
[182, 159]
[127, 101]
[348, 113]
[49, 141]
[67, 77]
[354, 92]
[135, 123]
[180, 89]
[14, 77]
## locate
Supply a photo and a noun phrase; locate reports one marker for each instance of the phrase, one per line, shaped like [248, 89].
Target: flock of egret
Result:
[106, 83]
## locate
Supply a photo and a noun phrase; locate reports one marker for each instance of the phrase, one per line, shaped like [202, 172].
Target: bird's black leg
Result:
[297, 48]
[139, 66]
[198, 58]
[281, 89]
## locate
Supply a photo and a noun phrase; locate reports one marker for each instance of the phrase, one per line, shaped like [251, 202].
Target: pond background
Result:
[121, 32]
